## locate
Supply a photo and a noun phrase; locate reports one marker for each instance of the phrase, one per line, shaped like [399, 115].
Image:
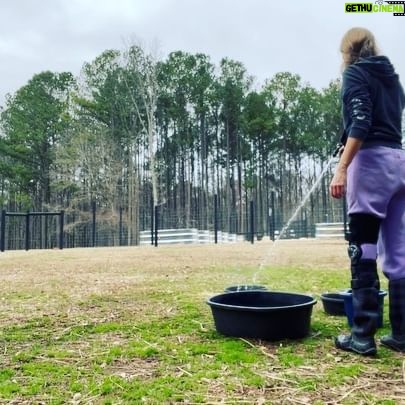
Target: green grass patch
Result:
[152, 340]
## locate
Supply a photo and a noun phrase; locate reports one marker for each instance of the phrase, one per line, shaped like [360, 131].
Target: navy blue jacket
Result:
[373, 101]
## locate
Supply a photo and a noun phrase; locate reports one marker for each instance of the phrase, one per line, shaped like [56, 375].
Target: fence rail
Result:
[330, 230]
[191, 235]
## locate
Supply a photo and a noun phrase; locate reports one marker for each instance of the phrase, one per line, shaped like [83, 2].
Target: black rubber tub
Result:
[267, 315]
[333, 303]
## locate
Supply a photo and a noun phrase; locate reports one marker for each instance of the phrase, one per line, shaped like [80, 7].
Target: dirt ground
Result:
[82, 267]
[46, 280]
[307, 252]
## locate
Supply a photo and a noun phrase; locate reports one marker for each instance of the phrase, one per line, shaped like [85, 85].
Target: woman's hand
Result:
[337, 186]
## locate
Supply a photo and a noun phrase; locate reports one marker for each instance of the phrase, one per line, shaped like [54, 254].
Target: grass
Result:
[131, 326]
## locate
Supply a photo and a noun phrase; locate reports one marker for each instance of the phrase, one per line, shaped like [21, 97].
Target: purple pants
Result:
[376, 186]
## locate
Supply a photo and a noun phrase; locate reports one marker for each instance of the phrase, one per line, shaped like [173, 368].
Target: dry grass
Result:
[62, 296]
[57, 280]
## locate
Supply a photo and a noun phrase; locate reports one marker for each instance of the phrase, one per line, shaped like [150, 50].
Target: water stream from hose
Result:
[284, 229]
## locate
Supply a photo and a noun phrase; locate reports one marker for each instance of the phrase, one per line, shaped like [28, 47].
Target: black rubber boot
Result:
[365, 289]
[396, 340]
[349, 343]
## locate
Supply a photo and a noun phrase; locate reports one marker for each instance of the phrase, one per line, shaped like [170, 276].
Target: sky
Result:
[267, 36]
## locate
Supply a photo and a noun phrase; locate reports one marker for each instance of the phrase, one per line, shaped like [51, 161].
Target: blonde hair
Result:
[357, 43]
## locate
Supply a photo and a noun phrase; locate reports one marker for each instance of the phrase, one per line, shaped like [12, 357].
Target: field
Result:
[131, 325]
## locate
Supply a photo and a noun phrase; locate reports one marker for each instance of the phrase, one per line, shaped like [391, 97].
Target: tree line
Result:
[133, 132]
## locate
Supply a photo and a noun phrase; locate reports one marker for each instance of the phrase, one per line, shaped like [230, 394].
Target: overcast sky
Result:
[267, 36]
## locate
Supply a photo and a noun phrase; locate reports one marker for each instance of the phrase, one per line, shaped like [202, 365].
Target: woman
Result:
[371, 172]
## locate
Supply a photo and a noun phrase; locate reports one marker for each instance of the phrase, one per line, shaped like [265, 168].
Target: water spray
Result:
[301, 205]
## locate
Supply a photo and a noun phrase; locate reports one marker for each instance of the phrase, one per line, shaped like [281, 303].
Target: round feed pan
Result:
[333, 304]
[267, 315]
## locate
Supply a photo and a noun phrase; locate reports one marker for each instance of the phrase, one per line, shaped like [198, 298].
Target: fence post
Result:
[27, 231]
[216, 218]
[152, 223]
[93, 228]
[44, 219]
[273, 215]
[252, 225]
[120, 228]
[3, 231]
[156, 224]
[305, 222]
[61, 225]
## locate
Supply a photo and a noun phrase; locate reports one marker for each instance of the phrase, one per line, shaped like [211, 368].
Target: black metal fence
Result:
[43, 230]
[48, 230]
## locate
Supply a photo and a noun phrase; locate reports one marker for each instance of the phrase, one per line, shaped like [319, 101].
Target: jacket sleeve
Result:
[357, 101]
